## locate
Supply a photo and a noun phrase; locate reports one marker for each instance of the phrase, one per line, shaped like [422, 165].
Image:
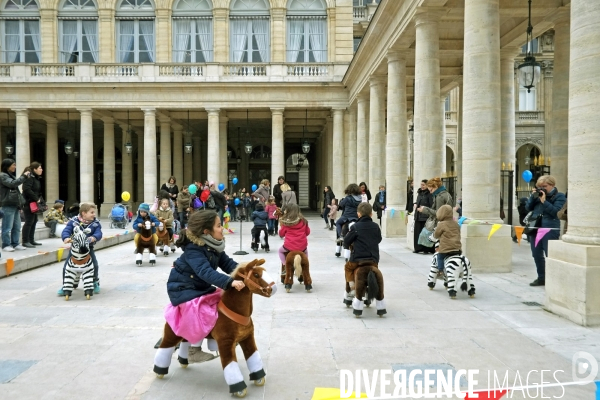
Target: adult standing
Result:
[220, 200]
[410, 198]
[439, 197]
[365, 193]
[12, 202]
[380, 202]
[171, 188]
[545, 202]
[288, 196]
[423, 200]
[277, 191]
[32, 191]
[264, 191]
[328, 195]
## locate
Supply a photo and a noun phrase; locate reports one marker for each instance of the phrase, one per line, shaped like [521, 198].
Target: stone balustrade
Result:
[360, 13]
[173, 72]
[524, 116]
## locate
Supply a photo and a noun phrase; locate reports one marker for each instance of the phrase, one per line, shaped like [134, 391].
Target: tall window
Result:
[78, 31]
[527, 101]
[192, 31]
[135, 28]
[21, 32]
[249, 30]
[307, 31]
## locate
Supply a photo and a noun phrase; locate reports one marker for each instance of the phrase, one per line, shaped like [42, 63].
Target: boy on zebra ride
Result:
[447, 232]
[364, 237]
[192, 288]
[294, 231]
[143, 212]
[86, 220]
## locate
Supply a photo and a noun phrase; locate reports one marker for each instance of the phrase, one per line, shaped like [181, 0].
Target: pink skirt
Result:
[194, 319]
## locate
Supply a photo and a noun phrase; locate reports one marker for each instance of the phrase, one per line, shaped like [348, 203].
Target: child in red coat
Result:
[270, 208]
[294, 229]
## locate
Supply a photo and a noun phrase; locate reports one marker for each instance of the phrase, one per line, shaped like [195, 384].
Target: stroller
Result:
[118, 216]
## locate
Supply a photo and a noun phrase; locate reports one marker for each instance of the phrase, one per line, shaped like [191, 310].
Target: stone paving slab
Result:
[104, 348]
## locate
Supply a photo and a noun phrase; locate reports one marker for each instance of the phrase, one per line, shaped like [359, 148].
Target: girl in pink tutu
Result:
[191, 286]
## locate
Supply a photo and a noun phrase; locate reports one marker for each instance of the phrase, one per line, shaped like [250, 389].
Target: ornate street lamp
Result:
[248, 146]
[9, 148]
[529, 70]
[128, 146]
[68, 145]
[188, 144]
[305, 144]
[229, 152]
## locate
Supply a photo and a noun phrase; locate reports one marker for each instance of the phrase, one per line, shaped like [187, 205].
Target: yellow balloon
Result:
[125, 196]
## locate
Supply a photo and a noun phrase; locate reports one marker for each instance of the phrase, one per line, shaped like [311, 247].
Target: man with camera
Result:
[544, 203]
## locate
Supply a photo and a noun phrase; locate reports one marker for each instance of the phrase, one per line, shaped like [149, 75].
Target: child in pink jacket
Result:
[294, 229]
[270, 208]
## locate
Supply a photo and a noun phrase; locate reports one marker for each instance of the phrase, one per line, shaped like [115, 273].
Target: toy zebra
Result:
[79, 265]
[452, 267]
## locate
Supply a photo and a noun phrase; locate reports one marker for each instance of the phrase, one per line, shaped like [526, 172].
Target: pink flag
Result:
[541, 232]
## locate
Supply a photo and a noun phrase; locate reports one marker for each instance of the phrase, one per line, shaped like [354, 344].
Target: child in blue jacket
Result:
[143, 212]
[86, 220]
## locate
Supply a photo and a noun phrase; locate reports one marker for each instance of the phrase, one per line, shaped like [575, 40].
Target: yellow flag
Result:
[59, 253]
[10, 264]
[519, 232]
[495, 227]
[332, 394]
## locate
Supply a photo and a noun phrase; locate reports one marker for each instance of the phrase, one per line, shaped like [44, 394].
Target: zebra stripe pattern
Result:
[454, 272]
[75, 270]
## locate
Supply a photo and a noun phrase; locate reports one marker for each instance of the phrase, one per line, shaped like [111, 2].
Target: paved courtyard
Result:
[103, 348]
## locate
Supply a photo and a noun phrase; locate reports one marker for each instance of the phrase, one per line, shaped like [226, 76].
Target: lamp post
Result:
[188, 144]
[128, 146]
[9, 148]
[68, 145]
[529, 70]
[248, 146]
[305, 144]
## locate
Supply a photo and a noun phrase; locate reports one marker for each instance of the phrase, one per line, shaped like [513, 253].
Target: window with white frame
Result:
[135, 31]
[21, 32]
[307, 31]
[527, 101]
[192, 31]
[249, 31]
[78, 25]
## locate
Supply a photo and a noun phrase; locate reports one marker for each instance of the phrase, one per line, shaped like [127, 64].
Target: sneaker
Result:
[8, 248]
[96, 287]
[52, 235]
[19, 247]
[538, 282]
[196, 355]
[60, 292]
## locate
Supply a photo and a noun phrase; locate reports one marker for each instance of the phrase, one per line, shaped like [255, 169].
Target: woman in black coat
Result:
[171, 188]
[32, 191]
[277, 191]
[423, 199]
[328, 195]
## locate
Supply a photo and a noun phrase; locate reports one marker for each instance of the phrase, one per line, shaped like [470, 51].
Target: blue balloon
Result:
[193, 189]
[527, 175]
[254, 187]
[221, 186]
[236, 202]
[235, 181]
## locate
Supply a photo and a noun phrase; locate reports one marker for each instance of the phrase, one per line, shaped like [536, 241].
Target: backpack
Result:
[210, 202]
[197, 203]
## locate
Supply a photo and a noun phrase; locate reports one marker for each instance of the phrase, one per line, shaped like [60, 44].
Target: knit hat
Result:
[144, 207]
[59, 201]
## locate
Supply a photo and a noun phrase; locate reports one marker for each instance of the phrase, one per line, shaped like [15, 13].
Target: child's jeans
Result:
[52, 226]
[94, 261]
[283, 250]
[332, 223]
[271, 225]
[440, 261]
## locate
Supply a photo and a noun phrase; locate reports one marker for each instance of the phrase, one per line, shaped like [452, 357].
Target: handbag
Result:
[38, 207]
[424, 238]
[531, 223]
[13, 198]
[430, 224]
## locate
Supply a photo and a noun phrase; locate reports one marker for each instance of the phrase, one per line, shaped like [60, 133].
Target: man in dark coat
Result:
[277, 190]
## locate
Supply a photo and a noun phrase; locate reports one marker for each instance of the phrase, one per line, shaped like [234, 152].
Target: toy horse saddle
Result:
[367, 263]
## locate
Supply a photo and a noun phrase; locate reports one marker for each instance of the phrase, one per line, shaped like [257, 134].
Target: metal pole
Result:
[511, 196]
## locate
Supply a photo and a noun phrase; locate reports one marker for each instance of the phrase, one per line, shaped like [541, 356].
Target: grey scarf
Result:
[217, 245]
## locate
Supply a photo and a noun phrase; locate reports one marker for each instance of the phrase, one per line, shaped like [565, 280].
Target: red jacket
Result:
[295, 236]
[270, 209]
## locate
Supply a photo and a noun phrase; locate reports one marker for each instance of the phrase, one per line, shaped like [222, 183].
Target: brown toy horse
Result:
[296, 263]
[163, 240]
[146, 240]
[234, 325]
[368, 281]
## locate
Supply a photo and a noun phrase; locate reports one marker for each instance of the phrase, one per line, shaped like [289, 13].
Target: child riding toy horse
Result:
[79, 266]
[294, 251]
[145, 225]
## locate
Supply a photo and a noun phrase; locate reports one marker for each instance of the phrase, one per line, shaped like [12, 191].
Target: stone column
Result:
[377, 133]
[572, 268]
[109, 165]
[507, 114]
[362, 139]
[165, 150]
[351, 145]
[221, 42]
[338, 184]
[187, 161]
[178, 156]
[428, 135]
[86, 157]
[443, 143]
[329, 154]
[163, 36]
[51, 173]
[481, 138]
[72, 196]
[106, 35]
[277, 148]
[278, 54]
[560, 103]
[212, 158]
[396, 147]
[126, 163]
[150, 189]
[140, 168]
[223, 161]
[22, 150]
[459, 139]
[48, 34]
[197, 160]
